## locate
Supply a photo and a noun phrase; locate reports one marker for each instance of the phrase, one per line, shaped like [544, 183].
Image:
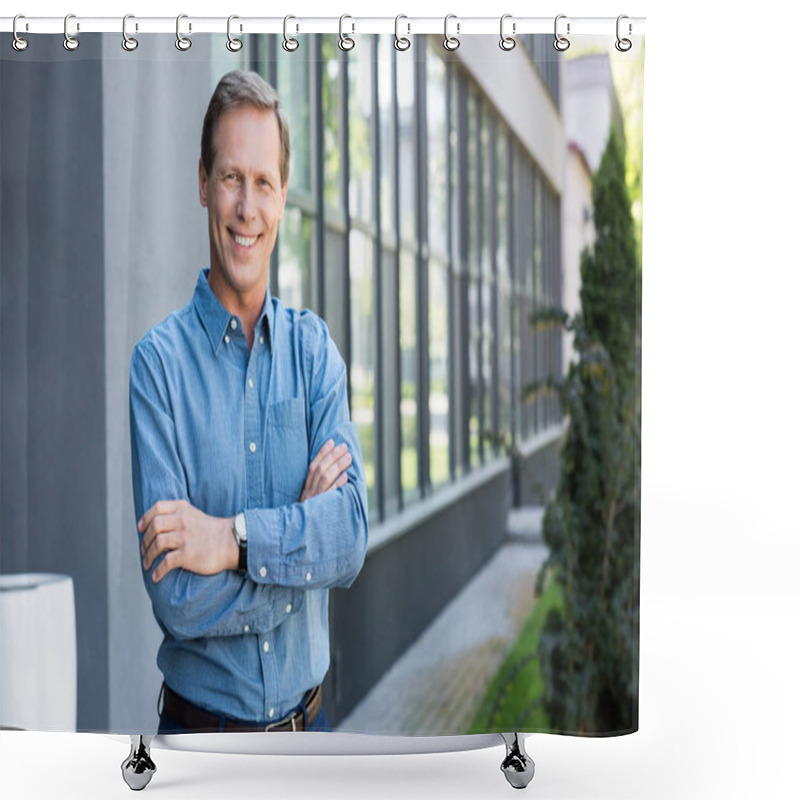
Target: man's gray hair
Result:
[235, 90]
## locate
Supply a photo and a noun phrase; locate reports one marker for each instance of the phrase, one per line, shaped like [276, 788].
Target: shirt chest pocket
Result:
[287, 448]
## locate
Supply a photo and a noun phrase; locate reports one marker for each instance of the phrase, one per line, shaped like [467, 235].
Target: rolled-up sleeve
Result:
[187, 605]
[321, 542]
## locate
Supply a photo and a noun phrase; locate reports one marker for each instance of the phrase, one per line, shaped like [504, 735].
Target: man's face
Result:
[245, 200]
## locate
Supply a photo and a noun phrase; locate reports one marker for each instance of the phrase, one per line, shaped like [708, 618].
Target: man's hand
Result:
[327, 470]
[191, 539]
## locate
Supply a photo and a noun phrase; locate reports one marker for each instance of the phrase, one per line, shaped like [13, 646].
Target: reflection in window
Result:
[407, 156]
[438, 402]
[437, 155]
[294, 271]
[363, 351]
[438, 317]
[331, 106]
[408, 375]
[473, 256]
[487, 271]
[504, 384]
[359, 107]
[294, 91]
[387, 139]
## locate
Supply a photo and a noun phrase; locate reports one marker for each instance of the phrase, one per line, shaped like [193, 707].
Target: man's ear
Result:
[203, 181]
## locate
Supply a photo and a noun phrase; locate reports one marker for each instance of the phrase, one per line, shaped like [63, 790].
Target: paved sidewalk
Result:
[435, 686]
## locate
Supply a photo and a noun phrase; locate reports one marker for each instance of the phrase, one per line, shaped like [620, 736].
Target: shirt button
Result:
[263, 572]
[252, 447]
[289, 608]
[266, 647]
[250, 383]
[261, 340]
[233, 324]
[271, 713]
[308, 576]
[247, 629]
[227, 338]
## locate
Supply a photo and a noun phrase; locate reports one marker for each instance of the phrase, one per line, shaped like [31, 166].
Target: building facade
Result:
[423, 223]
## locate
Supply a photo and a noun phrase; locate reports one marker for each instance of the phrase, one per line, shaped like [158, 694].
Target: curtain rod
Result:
[349, 25]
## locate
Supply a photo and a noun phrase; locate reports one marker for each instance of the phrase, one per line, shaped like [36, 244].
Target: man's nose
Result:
[246, 207]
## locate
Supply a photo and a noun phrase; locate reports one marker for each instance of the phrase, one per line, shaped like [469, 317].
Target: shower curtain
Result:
[464, 223]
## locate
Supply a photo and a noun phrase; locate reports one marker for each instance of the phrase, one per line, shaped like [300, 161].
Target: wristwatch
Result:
[240, 532]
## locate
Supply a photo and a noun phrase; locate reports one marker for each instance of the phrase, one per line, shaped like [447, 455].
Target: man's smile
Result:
[244, 241]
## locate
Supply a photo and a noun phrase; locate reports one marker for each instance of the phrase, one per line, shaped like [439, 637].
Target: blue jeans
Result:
[167, 724]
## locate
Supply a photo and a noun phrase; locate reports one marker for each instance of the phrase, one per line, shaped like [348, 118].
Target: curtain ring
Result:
[451, 42]
[289, 44]
[19, 44]
[233, 44]
[346, 41]
[70, 42]
[401, 43]
[128, 42]
[623, 45]
[183, 43]
[507, 42]
[560, 42]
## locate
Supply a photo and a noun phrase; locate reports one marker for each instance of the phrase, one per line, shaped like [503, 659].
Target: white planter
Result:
[38, 658]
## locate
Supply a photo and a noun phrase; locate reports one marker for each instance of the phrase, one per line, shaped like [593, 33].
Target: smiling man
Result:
[247, 475]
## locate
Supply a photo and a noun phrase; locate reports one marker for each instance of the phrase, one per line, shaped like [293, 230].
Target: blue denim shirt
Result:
[231, 429]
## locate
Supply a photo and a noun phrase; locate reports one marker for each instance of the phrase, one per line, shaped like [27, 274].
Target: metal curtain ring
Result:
[70, 42]
[19, 44]
[128, 42]
[451, 42]
[233, 44]
[289, 44]
[507, 42]
[401, 43]
[346, 42]
[182, 42]
[560, 43]
[623, 45]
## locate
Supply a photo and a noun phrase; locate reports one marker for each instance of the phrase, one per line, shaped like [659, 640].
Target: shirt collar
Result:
[216, 318]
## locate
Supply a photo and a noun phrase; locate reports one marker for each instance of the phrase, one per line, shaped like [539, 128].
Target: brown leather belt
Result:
[193, 718]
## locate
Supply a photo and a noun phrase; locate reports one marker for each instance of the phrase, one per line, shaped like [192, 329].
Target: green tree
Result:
[589, 650]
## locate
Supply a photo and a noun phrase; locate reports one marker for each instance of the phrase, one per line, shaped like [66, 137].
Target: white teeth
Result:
[245, 241]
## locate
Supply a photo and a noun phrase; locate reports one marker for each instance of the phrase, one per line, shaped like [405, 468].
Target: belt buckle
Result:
[288, 718]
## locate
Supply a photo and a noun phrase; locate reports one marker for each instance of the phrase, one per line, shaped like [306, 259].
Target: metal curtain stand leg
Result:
[138, 768]
[517, 766]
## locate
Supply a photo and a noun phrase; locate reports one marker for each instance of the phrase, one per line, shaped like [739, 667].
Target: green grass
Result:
[514, 699]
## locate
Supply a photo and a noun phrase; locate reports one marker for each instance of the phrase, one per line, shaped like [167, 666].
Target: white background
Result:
[720, 603]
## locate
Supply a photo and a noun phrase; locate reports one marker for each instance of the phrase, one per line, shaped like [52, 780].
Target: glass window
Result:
[406, 120]
[437, 140]
[473, 295]
[438, 399]
[294, 91]
[408, 375]
[331, 114]
[386, 86]
[363, 352]
[294, 252]
[360, 122]
[504, 382]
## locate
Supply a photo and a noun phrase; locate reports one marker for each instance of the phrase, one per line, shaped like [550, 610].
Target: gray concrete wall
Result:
[52, 390]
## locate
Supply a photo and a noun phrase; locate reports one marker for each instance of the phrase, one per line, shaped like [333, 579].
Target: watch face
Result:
[240, 527]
